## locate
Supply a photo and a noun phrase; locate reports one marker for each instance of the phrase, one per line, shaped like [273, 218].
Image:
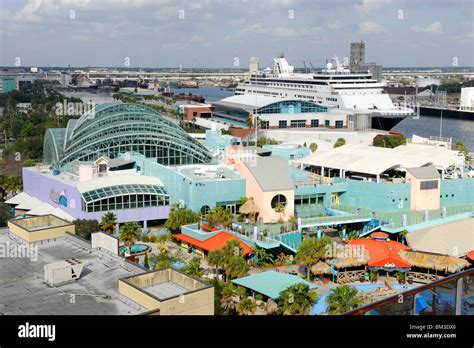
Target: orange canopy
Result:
[383, 253]
[215, 242]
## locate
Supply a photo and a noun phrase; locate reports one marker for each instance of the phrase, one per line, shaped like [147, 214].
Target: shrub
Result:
[145, 239]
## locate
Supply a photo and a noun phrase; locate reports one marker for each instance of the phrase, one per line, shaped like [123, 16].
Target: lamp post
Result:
[290, 261]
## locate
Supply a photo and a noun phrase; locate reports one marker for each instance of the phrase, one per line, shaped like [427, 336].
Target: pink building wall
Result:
[263, 199]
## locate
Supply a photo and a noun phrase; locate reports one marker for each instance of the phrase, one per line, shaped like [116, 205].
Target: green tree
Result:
[217, 259]
[340, 142]
[342, 300]
[146, 262]
[236, 267]
[297, 299]
[247, 306]
[263, 258]
[194, 267]
[313, 147]
[403, 234]
[311, 250]
[84, 228]
[228, 298]
[179, 217]
[219, 216]
[243, 200]
[130, 232]
[4, 214]
[108, 223]
[459, 146]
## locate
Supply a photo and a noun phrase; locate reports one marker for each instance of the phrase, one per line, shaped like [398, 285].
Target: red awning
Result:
[217, 241]
[470, 255]
[383, 253]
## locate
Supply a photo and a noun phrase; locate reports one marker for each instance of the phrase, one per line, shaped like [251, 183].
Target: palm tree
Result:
[263, 258]
[236, 267]
[228, 299]
[311, 250]
[247, 306]
[216, 258]
[194, 267]
[403, 235]
[130, 232]
[297, 299]
[108, 223]
[3, 182]
[342, 300]
[313, 147]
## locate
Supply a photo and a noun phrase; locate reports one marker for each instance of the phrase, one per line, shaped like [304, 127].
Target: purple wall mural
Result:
[60, 193]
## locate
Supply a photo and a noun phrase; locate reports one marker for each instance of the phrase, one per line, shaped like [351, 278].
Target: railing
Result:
[349, 276]
[405, 218]
[423, 277]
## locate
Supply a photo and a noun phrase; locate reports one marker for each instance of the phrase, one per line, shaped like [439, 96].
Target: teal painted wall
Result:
[288, 152]
[194, 193]
[376, 195]
[458, 192]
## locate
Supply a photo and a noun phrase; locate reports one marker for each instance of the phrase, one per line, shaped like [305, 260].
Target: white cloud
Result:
[284, 32]
[433, 28]
[369, 27]
[368, 6]
[335, 25]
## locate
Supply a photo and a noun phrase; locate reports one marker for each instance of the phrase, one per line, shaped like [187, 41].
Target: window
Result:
[429, 185]
[314, 123]
[278, 199]
[282, 124]
[326, 123]
[339, 124]
[265, 125]
[298, 123]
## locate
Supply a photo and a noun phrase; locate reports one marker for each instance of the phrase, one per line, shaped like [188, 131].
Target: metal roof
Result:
[249, 102]
[424, 173]
[272, 173]
[270, 283]
[377, 160]
[19, 198]
[107, 181]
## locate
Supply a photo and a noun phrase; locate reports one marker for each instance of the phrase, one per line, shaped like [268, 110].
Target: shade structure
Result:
[470, 255]
[320, 268]
[18, 199]
[249, 207]
[436, 262]
[383, 254]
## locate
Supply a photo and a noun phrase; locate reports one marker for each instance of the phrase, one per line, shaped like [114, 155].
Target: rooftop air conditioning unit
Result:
[62, 272]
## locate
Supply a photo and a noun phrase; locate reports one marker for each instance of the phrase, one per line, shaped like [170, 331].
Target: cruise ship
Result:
[333, 87]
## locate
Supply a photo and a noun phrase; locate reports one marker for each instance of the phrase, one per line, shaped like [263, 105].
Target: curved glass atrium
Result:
[110, 129]
[124, 197]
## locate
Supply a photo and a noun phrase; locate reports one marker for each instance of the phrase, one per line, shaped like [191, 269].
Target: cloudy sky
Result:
[221, 33]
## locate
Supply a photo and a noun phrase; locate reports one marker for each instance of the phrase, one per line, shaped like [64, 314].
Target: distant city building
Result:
[253, 65]
[66, 79]
[357, 61]
[357, 54]
[7, 84]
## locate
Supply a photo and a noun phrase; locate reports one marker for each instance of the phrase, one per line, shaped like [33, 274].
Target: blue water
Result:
[427, 126]
[210, 93]
[320, 306]
[138, 248]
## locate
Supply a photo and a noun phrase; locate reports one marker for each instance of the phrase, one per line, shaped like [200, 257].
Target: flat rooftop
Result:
[24, 291]
[207, 172]
[165, 290]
